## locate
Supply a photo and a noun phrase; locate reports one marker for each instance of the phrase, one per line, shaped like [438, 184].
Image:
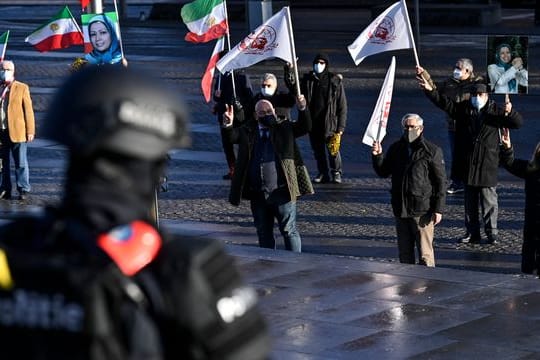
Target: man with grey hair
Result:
[281, 101]
[17, 128]
[458, 87]
[418, 188]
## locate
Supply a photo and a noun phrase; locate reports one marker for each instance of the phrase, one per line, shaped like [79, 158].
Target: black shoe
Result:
[23, 195]
[492, 239]
[227, 176]
[321, 179]
[5, 195]
[470, 239]
[336, 178]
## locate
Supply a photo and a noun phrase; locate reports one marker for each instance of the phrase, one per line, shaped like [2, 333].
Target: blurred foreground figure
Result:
[93, 278]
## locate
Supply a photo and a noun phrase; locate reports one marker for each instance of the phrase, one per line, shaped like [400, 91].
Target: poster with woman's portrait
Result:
[101, 38]
[507, 64]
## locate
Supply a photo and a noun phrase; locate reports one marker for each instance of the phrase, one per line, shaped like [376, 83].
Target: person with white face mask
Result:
[530, 171]
[281, 101]
[418, 188]
[17, 128]
[457, 87]
[481, 121]
[327, 103]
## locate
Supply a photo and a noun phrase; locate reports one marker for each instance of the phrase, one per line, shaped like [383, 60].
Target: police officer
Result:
[118, 126]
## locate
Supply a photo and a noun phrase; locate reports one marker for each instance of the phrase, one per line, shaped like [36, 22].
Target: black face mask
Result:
[268, 120]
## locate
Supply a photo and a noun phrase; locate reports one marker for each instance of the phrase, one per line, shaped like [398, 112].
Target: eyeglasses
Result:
[411, 127]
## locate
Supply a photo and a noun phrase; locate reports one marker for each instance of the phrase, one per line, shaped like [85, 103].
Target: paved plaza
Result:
[346, 296]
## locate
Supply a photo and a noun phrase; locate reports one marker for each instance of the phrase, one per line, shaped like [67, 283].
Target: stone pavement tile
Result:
[464, 276]
[499, 330]
[313, 336]
[525, 305]
[385, 345]
[257, 270]
[471, 350]
[478, 299]
[294, 355]
[420, 291]
[416, 319]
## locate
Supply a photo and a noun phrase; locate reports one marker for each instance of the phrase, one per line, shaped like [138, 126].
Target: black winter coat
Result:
[480, 138]
[335, 116]
[283, 137]
[531, 227]
[418, 181]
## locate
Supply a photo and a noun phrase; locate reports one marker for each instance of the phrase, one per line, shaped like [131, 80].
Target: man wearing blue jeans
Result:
[267, 170]
[17, 128]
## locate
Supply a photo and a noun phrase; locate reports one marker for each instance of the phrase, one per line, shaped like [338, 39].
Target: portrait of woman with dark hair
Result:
[104, 39]
[508, 74]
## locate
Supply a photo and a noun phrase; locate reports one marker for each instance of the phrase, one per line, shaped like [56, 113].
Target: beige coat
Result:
[20, 113]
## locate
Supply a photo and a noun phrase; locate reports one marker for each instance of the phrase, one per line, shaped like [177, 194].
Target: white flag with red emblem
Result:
[389, 31]
[376, 129]
[271, 39]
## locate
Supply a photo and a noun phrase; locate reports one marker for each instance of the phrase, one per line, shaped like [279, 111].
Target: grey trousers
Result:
[487, 198]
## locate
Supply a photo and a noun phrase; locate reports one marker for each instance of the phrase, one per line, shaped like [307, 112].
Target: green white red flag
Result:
[206, 83]
[3, 44]
[205, 19]
[60, 32]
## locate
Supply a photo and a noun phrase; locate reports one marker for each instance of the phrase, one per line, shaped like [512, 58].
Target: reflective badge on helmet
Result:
[131, 246]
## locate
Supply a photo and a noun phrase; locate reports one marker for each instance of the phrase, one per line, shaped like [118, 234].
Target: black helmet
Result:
[114, 109]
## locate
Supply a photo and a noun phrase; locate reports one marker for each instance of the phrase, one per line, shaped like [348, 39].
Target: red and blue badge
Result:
[131, 246]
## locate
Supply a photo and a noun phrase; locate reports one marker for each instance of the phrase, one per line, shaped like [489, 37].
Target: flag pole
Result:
[380, 123]
[229, 48]
[75, 21]
[293, 51]
[409, 28]
[4, 48]
[119, 31]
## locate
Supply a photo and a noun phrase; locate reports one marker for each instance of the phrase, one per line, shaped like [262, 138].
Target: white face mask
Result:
[6, 75]
[267, 91]
[478, 102]
[319, 68]
[457, 74]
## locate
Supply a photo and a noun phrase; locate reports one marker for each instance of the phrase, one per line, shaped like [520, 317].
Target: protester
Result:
[105, 43]
[418, 189]
[458, 87]
[507, 72]
[281, 101]
[269, 170]
[327, 103]
[530, 171]
[481, 120]
[17, 130]
[94, 278]
[240, 96]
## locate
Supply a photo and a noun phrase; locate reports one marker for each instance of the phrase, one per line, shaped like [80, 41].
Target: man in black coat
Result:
[327, 104]
[269, 170]
[481, 120]
[418, 188]
[530, 171]
[233, 88]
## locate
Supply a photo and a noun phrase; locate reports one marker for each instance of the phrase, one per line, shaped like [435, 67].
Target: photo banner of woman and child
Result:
[102, 40]
[507, 64]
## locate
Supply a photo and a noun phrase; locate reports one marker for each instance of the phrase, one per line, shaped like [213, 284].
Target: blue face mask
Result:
[319, 68]
[478, 102]
[266, 91]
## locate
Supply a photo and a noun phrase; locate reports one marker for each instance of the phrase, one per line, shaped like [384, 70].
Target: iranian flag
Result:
[60, 32]
[205, 19]
[3, 44]
[206, 83]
